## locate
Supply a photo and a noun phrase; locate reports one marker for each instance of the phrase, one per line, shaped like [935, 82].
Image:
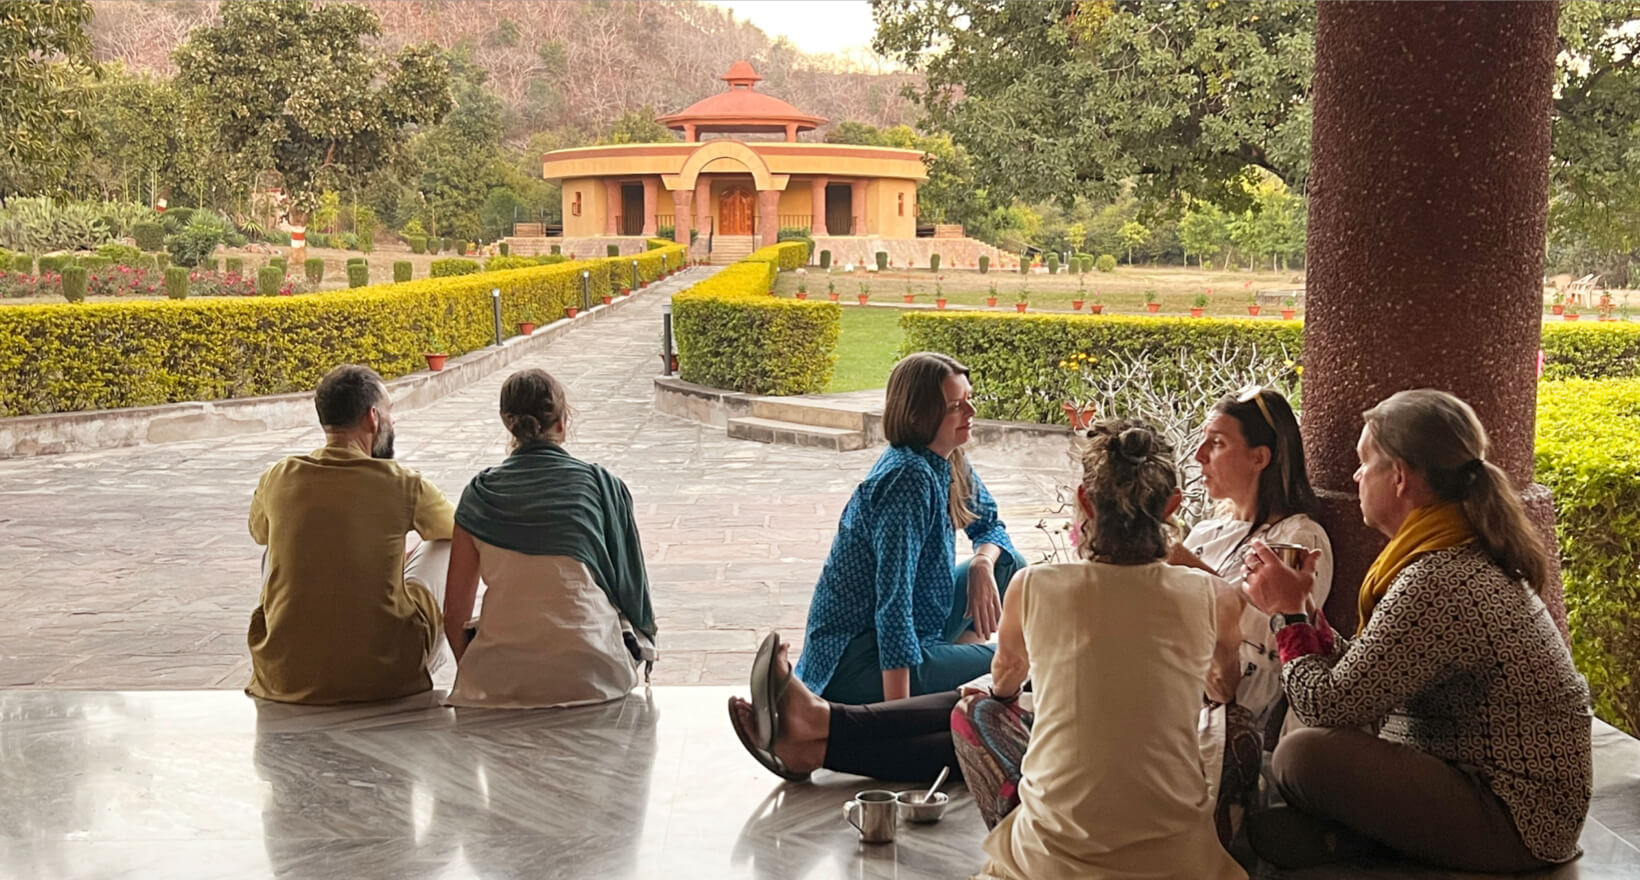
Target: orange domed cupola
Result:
[741, 109]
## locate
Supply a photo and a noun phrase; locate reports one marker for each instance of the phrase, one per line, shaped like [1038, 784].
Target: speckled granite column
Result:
[1428, 190]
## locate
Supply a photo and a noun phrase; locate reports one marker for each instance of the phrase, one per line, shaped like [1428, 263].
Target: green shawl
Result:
[542, 501]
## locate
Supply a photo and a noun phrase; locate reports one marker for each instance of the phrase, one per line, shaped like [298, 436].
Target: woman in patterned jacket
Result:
[1481, 760]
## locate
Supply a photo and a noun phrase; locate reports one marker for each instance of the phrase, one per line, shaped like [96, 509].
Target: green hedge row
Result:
[732, 334]
[71, 357]
[1015, 358]
[1588, 454]
[1591, 350]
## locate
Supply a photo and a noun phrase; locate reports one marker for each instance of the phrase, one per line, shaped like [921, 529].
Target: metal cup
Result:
[877, 817]
[1291, 555]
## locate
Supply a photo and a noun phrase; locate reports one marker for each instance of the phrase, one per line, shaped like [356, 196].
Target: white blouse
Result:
[1222, 543]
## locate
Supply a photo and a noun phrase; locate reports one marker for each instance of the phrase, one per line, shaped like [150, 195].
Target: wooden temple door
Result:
[737, 211]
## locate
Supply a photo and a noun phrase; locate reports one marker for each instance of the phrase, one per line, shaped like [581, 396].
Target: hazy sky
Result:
[839, 26]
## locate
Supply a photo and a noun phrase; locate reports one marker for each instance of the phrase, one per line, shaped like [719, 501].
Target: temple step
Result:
[731, 248]
[794, 434]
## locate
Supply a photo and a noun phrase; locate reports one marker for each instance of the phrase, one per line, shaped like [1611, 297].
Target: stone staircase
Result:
[731, 248]
[799, 422]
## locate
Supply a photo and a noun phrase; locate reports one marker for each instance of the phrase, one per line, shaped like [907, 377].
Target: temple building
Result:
[730, 185]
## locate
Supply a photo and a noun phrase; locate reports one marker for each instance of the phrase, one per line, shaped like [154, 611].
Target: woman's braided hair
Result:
[534, 407]
[1128, 475]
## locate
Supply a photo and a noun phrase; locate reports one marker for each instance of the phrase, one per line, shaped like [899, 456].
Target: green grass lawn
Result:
[866, 349]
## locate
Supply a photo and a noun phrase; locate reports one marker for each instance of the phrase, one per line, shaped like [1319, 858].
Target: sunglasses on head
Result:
[1255, 394]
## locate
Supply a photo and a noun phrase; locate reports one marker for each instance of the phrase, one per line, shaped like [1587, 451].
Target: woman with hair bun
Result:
[567, 618]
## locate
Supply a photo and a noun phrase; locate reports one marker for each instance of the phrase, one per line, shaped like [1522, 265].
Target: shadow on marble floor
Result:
[209, 784]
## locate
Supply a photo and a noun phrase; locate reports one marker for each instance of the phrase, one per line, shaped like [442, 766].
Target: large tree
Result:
[1059, 99]
[45, 61]
[293, 86]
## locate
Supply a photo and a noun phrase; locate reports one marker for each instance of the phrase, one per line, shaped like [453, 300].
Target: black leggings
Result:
[904, 740]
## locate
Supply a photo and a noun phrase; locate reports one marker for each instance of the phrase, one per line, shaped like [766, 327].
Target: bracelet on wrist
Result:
[1006, 698]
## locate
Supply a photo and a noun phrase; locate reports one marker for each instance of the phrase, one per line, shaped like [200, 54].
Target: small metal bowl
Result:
[1291, 555]
[913, 810]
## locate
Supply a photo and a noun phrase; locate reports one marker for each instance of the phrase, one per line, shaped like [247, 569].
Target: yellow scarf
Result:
[1427, 529]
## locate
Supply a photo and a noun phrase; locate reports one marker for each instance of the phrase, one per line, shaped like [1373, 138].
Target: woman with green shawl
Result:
[566, 619]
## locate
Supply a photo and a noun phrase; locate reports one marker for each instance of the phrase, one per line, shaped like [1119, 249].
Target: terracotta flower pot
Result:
[1097, 308]
[1195, 312]
[863, 298]
[1153, 308]
[1569, 317]
[571, 311]
[626, 291]
[608, 299]
[673, 363]
[1076, 305]
[525, 328]
[939, 303]
[1287, 314]
[1557, 309]
[910, 298]
[1252, 310]
[832, 297]
[991, 301]
[1080, 418]
[1020, 307]
[642, 284]
[435, 362]
[802, 295]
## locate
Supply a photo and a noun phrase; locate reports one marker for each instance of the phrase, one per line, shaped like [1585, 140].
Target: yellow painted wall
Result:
[593, 209]
[797, 200]
[883, 208]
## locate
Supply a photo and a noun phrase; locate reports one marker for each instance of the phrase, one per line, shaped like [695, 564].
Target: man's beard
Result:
[383, 447]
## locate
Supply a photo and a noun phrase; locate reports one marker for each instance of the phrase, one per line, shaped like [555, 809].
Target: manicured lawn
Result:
[1122, 291]
[867, 349]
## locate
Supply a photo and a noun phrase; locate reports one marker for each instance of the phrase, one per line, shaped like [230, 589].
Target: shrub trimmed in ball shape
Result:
[1105, 263]
[74, 279]
[269, 279]
[176, 282]
[315, 269]
[401, 270]
[358, 275]
[149, 236]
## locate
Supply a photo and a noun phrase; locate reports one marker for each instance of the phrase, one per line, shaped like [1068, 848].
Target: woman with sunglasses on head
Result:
[1252, 463]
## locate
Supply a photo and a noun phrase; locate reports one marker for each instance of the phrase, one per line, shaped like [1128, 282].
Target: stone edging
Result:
[93, 430]
[715, 407]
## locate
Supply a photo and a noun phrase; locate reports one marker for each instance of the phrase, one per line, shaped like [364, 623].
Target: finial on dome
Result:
[740, 75]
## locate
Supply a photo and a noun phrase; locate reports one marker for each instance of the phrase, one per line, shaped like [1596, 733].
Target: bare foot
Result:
[803, 716]
[801, 755]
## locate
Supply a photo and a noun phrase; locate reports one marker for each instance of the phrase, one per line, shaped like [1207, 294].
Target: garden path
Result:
[132, 568]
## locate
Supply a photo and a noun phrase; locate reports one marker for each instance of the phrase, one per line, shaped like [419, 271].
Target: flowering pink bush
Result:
[118, 281]
[18, 285]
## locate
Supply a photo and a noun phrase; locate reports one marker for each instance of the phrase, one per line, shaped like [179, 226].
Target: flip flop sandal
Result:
[766, 693]
[768, 759]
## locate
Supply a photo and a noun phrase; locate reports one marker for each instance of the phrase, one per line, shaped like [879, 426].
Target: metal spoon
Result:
[938, 781]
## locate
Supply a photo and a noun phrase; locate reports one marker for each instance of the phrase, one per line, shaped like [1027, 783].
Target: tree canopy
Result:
[292, 86]
[45, 57]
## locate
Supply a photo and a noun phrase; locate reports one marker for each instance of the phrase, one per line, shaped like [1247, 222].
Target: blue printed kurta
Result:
[890, 566]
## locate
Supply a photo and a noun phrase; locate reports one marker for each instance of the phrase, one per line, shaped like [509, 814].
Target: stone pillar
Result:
[817, 210]
[683, 215]
[768, 215]
[858, 191]
[651, 199]
[612, 206]
[1428, 179]
[689, 132]
[703, 204]
[791, 132]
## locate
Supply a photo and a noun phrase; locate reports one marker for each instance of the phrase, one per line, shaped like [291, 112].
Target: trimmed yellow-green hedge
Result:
[1014, 358]
[732, 334]
[1588, 454]
[72, 357]
[1591, 350]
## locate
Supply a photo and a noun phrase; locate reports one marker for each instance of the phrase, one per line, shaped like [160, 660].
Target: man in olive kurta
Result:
[344, 616]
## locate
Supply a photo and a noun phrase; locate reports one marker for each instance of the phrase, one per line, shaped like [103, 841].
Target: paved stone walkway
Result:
[133, 569]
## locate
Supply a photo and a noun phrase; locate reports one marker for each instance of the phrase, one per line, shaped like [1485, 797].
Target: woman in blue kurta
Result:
[893, 615]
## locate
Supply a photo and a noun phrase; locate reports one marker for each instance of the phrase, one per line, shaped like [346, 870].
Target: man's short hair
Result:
[346, 394]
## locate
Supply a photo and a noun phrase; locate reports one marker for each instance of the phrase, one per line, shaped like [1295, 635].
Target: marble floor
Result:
[210, 784]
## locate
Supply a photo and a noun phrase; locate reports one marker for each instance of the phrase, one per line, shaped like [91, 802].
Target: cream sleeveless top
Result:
[1113, 782]
[547, 637]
